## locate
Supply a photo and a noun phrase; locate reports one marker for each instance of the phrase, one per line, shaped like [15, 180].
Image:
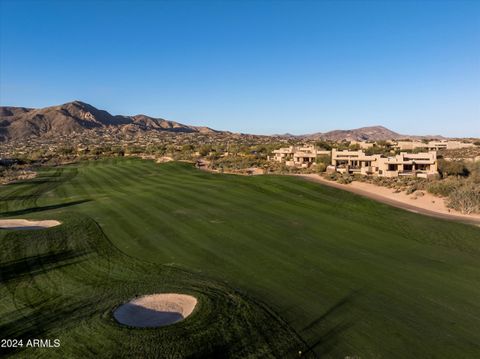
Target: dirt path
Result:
[427, 204]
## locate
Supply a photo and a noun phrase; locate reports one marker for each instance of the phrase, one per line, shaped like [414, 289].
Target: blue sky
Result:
[258, 66]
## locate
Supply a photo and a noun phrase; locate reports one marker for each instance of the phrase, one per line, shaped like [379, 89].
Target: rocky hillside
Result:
[372, 133]
[77, 116]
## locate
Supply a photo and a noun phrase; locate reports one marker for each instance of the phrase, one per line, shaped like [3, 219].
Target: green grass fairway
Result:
[279, 265]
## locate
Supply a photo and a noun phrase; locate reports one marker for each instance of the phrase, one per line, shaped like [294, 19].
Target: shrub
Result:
[411, 189]
[67, 150]
[345, 179]
[204, 150]
[443, 187]
[321, 167]
[474, 169]
[333, 176]
[465, 199]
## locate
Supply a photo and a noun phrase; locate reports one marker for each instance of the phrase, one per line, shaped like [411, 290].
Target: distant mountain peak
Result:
[367, 133]
[77, 116]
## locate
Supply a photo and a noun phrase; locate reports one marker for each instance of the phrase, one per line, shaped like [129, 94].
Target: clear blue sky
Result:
[259, 67]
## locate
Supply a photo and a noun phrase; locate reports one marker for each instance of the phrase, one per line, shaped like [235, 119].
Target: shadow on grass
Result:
[38, 264]
[41, 321]
[134, 315]
[330, 336]
[219, 351]
[43, 208]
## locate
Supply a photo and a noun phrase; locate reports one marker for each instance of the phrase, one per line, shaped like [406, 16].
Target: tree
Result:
[323, 160]
[324, 145]
[452, 168]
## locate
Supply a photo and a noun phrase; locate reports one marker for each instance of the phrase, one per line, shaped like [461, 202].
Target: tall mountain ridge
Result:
[17, 123]
[20, 122]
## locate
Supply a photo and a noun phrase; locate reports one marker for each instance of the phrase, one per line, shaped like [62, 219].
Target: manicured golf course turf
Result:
[278, 265]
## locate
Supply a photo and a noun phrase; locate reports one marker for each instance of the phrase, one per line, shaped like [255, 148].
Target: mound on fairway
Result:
[27, 224]
[155, 310]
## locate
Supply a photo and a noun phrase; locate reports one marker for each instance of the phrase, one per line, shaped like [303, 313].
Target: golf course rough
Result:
[278, 265]
[65, 283]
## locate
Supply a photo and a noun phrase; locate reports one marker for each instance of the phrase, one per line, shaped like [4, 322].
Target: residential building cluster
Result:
[423, 164]
[300, 156]
[431, 145]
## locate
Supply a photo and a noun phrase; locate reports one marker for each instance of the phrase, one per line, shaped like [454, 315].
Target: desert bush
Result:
[466, 198]
[411, 189]
[333, 176]
[320, 167]
[474, 169]
[443, 187]
[204, 150]
[345, 179]
[118, 151]
[66, 150]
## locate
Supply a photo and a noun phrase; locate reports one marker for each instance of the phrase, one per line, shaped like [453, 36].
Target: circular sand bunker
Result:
[26, 224]
[155, 310]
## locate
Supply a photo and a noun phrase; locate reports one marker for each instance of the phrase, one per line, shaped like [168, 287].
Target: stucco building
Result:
[422, 164]
[404, 164]
[299, 156]
[432, 145]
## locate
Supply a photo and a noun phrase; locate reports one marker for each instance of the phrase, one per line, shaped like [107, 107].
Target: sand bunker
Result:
[155, 310]
[26, 224]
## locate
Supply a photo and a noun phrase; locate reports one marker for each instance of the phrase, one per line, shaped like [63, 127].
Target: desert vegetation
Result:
[460, 184]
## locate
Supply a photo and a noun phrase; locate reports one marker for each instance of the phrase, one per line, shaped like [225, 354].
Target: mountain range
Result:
[371, 133]
[18, 123]
[77, 116]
